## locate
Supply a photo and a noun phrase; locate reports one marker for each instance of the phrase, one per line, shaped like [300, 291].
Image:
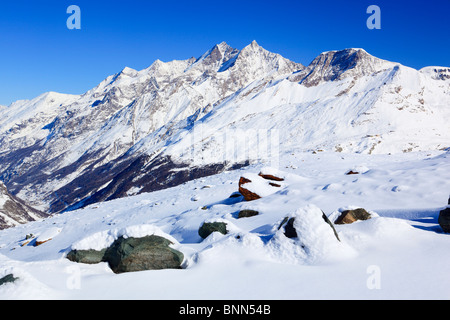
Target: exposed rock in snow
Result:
[350, 216]
[444, 219]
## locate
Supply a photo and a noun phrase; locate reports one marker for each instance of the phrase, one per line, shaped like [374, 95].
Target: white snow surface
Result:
[400, 253]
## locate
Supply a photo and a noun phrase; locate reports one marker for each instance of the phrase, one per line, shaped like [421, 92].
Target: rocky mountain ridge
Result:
[14, 211]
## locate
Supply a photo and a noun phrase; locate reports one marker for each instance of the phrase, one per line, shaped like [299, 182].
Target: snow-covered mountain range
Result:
[180, 145]
[141, 131]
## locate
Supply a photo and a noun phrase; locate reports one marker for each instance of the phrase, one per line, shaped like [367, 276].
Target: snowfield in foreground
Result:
[399, 253]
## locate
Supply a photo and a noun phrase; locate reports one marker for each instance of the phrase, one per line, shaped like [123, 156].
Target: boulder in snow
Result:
[305, 236]
[269, 173]
[209, 227]
[89, 256]
[245, 213]
[255, 186]
[129, 254]
[134, 248]
[248, 195]
[352, 215]
[9, 278]
[444, 219]
[289, 224]
[146, 253]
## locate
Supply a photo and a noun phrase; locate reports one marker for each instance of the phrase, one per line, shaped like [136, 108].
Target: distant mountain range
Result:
[139, 131]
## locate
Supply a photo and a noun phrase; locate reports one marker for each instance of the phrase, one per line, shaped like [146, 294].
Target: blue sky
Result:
[38, 53]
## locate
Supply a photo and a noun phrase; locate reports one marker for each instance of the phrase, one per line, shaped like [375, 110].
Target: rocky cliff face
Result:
[14, 211]
[338, 65]
[139, 131]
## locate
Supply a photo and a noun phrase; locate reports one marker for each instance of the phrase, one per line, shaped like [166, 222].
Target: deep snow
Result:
[400, 253]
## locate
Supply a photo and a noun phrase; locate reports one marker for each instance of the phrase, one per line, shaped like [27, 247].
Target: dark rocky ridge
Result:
[13, 208]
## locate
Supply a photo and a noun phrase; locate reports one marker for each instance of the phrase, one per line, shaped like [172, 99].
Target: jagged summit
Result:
[215, 58]
[261, 61]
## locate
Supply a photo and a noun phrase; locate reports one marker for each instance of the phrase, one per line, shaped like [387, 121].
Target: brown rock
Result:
[270, 177]
[248, 195]
[274, 184]
[38, 243]
[350, 216]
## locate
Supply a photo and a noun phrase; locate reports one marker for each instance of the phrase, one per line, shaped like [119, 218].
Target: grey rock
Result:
[444, 220]
[289, 229]
[86, 256]
[146, 253]
[9, 278]
[209, 227]
[247, 213]
[133, 254]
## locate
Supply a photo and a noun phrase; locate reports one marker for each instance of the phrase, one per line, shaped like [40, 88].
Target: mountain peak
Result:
[128, 72]
[339, 64]
[223, 46]
[254, 44]
[215, 57]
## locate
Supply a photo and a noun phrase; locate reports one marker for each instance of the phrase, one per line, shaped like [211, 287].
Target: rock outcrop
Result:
[246, 213]
[248, 195]
[9, 278]
[444, 219]
[290, 230]
[350, 216]
[255, 186]
[146, 253]
[209, 227]
[133, 254]
[14, 211]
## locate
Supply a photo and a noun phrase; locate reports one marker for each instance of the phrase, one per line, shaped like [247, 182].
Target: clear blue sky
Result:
[39, 53]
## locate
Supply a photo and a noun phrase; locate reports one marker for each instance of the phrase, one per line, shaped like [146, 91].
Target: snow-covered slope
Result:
[400, 253]
[139, 131]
